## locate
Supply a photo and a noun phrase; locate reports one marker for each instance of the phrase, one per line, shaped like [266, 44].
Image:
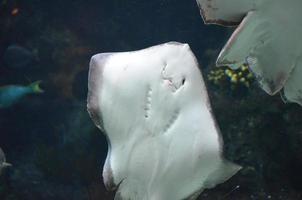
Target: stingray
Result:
[267, 39]
[154, 108]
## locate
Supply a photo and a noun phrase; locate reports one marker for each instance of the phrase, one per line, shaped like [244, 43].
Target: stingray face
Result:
[153, 106]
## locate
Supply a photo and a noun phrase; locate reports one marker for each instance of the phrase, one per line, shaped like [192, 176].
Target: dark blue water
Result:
[57, 152]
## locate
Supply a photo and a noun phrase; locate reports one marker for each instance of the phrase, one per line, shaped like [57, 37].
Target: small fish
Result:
[15, 11]
[18, 57]
[3, 163]
[11, 94]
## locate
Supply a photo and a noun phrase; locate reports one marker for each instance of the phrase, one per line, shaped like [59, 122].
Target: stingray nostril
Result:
[183, 81]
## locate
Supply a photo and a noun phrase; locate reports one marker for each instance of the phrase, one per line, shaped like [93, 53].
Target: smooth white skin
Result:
[268, 39]
[164, 143]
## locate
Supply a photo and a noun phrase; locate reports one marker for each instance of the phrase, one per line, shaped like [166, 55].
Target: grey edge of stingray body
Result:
[3, 163]
[268, 39]
[153, 106]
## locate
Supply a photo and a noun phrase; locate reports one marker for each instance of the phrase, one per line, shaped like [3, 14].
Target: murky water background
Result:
[57, 152]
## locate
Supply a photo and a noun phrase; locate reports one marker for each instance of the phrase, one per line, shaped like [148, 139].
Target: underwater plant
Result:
[271, 51]
[154, 108]
[232, 78]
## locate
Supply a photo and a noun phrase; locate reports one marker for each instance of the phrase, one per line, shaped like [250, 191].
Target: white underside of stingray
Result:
[268, 39]
[154, 108]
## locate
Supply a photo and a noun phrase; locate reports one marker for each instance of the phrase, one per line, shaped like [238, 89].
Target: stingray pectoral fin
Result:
[224, 12]
[293, 87]
[260, 42]
[274, 57]
[239, 45]
[226, 170]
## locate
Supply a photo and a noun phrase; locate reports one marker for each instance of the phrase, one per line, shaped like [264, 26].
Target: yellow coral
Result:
[234, 79]
[241, 76]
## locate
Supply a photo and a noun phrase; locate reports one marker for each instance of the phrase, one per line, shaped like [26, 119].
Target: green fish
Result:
[11, 94]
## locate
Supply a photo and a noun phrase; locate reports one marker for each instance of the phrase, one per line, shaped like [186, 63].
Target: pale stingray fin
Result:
[269, 42]
[259, 41]
[274, 56]
[239, 45]
[293, 87]
[223, 173]
[224, 12]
